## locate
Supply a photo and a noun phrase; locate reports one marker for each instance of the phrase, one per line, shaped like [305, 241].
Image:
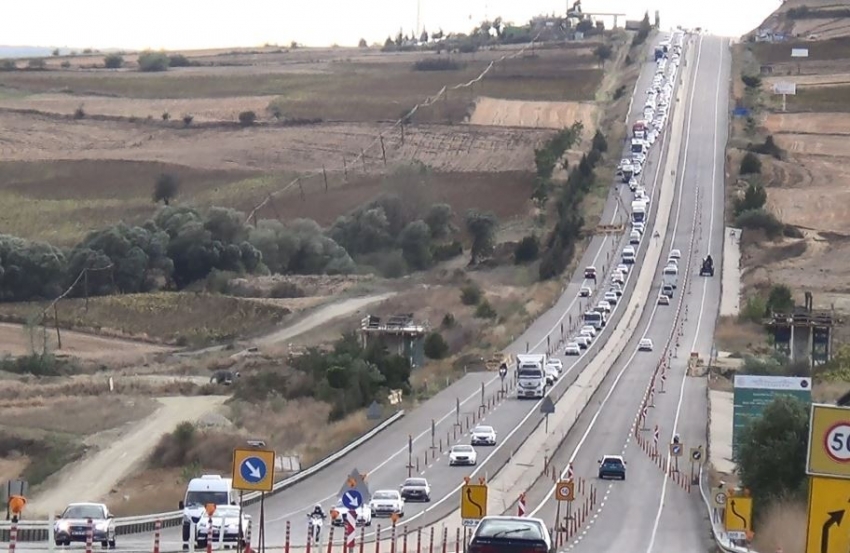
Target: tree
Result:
[600, 144]
[439, 220]
[166, 188]
[482, 227]
[771, 456]
[247, 118]
[527, 250]
[755, 196]
[423, 38]
[363, 43]
[113, 61]
[750, 164]
[780, 299]
[435, 346]
[415, 242]
[399, 38]
[603, 53]
[389, 44]
[153, 61]
[55, 52]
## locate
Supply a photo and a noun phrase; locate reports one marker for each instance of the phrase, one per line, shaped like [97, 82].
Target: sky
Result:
[195, 24]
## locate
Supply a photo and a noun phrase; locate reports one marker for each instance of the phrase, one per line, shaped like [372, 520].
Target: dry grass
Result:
[829, 391]
[98, 386]
[736, 336]
[783, 527]
[821, 50]
[74, 415]
[174, 317]
[820, 98]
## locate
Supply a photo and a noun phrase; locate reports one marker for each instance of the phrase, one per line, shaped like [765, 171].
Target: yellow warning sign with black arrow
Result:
[473, 503]
[828, 529]
[738, 517]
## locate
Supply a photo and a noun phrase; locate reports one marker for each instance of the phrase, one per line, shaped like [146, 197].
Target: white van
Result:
[209, 488]
[628, 255]
[670, 275]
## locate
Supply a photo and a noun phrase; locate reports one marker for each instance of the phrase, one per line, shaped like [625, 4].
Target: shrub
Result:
[755, 196]
[8, 65]
[166, 116]
[36, 63]
[620, 92]
[448, 321]
[768, 147]
[435, 346]
[151, 62]
[247, 118]
[444, 252]
[187, 120]
[751, 81]
[437, 64]
[485, 310]
[527, 250]
[179, 60]
[79, 113]
[760, 219]
[286, 289]
[43, 364]
[600, 144]
[750, 164]
[780, 299]
[166, 187]
[113, 61]
[65, 64]
[754, 310]
[470, 294]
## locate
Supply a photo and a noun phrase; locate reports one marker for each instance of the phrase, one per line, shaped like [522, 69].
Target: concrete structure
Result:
[399, 333]
[730, 284]
[803, 334]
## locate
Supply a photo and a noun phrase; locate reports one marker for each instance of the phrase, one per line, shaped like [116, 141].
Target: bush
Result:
[65, 64]
[600, 144]
[286, 289]
[620, 92]
[437, 64]
[751, 81]
[780, 299]
[470, 294]
[755, 196]
[527, 250]
[750, 164]
[187, 120]
[768, 148]
[151, 62]
[435, 346]
[760, 219]
[444, 252]
[113, 61]
[36, 63]
[80, 112]
[754, 310]
[8, 65]
[448, 321]
[43, 364]
[179, 60]
[247, 118]
[485, 310]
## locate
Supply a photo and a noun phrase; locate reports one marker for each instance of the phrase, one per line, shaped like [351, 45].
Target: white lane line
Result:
[658, 514]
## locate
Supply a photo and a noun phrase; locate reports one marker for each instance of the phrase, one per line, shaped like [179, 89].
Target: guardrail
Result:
[39, 530]
[720, 537]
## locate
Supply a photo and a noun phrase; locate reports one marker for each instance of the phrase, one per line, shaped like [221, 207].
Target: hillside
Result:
[810, 19]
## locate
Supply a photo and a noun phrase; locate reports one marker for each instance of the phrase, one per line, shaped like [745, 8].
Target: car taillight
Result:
[482, 548]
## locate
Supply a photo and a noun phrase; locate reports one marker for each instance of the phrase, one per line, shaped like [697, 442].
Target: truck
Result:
[639, 129]
[201, 491]
[670, 275]
[638, 211]
[531, 375]
[595, 319]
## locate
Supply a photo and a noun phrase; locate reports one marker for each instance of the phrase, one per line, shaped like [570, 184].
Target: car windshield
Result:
[385, 495]
[612, 462]
[415, 482]
[204, 497]
[530, 372]
[226, 511]
[509, 527]
[84, 511]
[483, 430]
[463, 448]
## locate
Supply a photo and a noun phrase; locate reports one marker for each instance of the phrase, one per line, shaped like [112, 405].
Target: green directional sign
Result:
[753, 393]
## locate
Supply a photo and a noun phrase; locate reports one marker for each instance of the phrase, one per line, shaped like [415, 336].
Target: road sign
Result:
[696, 454]
[473, 502]
[352, 499]
[720, 500]
[829, 441]
[799, 52]
[753, 393]
[827, 530]
[253, 470]
[675, 450]
[738, 516]
[357, 482]
[789, 88]
[546, 406]
[565, 490]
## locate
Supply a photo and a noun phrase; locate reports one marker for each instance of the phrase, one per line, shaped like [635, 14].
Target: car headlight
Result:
[101, 526]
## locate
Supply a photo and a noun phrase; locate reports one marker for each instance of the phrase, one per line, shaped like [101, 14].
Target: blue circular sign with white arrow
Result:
[253, 470]
[352, 499]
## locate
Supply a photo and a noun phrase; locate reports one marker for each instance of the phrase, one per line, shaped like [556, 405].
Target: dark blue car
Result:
[612, 466]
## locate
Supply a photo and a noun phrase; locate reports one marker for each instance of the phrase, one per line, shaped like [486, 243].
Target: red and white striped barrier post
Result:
[404, 539]
[362, 538]
[309, 538]
[89, 535]
[431, 541]
[157, 528]
[655, 436]
[286, 537]
[663, 379]
[350, 527]
[247, 543]
[330, 539]
[445, 546]
[419, 540]
[570, 473]
[521, 505]
[392, 538]
[378, 539]
[13, 534]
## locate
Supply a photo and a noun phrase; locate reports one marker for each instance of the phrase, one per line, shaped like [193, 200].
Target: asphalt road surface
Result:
[385, 457]
[648, 511]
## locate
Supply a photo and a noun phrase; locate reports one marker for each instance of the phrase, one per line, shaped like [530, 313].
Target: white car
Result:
[225, 519]
[483, 435]
[611, 297]
[557, 364]
[589, 330]
[672, 262]
[633, 184]
[617, 289]
[618, 278]
[386, 503]
[363, 515]
[462, 454]
[675, 254]
[605, 306]
[572, 348]
[645, 344]
[585, 292]
[634, 238]
[638, 227]
[552, 374]
[415, 489]
[583, 341]
[663, 300]
[641, 158]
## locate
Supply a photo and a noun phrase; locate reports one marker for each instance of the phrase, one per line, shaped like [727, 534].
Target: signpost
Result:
[829, 442]
[827, 530]
[675, 452]
[753, 393]
[547, 408]
[785, 88]
[799, 53]
[738, 517]
[253, 471]
[696, 459]
[473, 503]
[564, 491]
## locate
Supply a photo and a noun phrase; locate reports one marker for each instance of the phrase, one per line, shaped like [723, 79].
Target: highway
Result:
[648, 511]
[385, 457]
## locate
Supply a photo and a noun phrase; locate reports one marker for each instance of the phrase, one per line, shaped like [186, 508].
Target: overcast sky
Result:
[184, 24]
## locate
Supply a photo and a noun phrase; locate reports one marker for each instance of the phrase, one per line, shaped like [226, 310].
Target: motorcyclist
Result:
[318, 511]
[709, 260]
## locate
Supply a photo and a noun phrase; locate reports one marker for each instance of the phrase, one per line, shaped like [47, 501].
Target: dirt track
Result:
[95, 475]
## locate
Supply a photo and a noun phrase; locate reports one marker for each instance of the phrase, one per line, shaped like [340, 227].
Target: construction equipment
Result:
[707, 268]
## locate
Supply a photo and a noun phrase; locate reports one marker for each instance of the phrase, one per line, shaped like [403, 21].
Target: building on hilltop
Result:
[400, 333]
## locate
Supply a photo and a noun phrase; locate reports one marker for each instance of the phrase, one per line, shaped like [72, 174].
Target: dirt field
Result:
[551, 115]
[824, 28]
[806, 123]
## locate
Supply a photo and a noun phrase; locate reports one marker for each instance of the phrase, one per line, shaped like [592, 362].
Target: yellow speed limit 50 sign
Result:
[829, 441]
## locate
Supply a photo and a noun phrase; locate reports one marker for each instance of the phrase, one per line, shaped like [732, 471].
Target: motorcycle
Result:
[316, 523]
